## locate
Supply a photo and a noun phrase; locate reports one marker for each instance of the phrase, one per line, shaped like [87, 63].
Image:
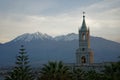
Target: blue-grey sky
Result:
[57, 17]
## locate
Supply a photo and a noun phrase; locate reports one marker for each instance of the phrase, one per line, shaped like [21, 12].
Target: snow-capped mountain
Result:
[27, 37]
[42, 48]
[68, 37]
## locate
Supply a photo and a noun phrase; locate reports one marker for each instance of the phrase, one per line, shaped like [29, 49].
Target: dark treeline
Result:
[58, 71]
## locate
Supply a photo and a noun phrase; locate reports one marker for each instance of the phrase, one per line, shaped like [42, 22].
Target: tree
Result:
[55, 71]
[112, 71]
[78, 74]
[22, 70]
[93, 75]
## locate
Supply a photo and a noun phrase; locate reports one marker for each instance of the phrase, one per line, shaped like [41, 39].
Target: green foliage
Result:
[93, 75]
[78, 74]
[55, 71]
[22, 70]
[112, 72]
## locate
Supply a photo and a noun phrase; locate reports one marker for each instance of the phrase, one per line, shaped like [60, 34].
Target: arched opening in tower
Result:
[83, 36]
[83, 59]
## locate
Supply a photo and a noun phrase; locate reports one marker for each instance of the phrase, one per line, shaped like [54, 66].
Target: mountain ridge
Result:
[39, 35]
[44, 49]
[42, 36]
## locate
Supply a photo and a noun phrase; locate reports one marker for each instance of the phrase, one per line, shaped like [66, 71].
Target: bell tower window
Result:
[83, 49]
[83, 36]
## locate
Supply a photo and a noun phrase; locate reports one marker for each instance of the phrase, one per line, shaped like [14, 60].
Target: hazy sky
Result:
[56, 17]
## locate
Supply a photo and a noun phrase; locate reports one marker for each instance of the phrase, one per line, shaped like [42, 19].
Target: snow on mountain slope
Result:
[68, 37]
[27, 37]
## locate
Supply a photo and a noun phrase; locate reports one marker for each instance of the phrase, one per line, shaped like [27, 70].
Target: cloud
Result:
[26, 7]
[59, 17]
[42, 7]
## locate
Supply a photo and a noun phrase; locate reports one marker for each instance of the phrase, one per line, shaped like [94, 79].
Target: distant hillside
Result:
[42, 48]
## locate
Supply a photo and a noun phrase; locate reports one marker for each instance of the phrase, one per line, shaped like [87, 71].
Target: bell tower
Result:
[84, 54]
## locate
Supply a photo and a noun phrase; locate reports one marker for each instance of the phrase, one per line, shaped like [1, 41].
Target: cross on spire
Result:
[83, 13]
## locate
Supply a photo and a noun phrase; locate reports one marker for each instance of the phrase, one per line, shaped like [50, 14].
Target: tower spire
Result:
[84, 27]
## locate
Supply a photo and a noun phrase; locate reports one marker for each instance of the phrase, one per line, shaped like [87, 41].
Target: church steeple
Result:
[83, 27]
[84, 54]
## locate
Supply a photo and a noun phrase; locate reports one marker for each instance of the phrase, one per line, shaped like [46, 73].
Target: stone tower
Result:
[84, 54]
